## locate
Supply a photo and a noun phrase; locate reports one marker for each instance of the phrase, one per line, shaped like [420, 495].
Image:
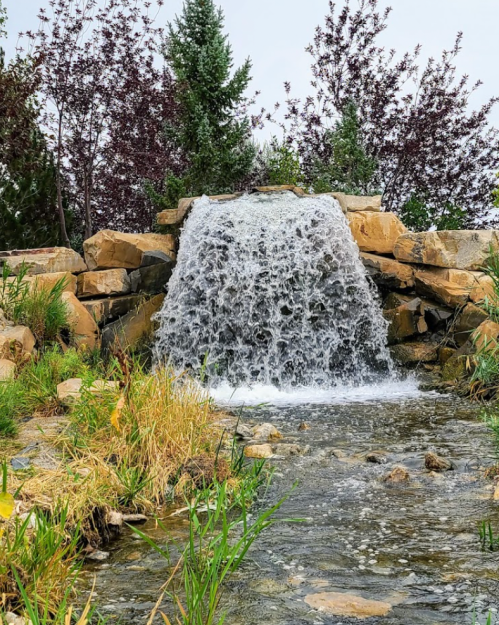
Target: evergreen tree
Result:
[214, 130]
[347, 167]
[28, 215]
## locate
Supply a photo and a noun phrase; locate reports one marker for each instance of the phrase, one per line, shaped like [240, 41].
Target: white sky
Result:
[274, 34]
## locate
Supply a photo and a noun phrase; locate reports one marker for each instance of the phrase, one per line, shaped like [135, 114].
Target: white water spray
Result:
[270, 290]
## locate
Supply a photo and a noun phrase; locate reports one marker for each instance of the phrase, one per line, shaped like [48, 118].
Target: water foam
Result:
[269, 290]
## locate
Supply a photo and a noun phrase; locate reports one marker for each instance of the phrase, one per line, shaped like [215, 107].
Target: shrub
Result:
[419, 215]
[283, 164]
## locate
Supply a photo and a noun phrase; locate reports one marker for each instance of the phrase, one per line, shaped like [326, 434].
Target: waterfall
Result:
[269, 289]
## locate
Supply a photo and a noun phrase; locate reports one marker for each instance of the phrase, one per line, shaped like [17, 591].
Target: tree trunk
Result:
[60, 207]
[88, 212]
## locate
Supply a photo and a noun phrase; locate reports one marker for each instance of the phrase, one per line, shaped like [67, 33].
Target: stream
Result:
[413, 545]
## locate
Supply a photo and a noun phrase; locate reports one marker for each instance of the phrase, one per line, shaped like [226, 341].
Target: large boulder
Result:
[469, 319]
[405, 321]
[354, 203]
[7, 369]
[109, 249]
[110, 308]
[45, 260]
[83, 326]
[375, 232]
[457, 249]
[49, 280]
[134, 329]
[414, 353]
[107, 282]
[387, 272]
[486, 335]
[431, 284]
[151, 279]
[16, 342]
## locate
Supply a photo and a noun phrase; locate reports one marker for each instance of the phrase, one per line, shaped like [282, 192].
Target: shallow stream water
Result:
[414, 545]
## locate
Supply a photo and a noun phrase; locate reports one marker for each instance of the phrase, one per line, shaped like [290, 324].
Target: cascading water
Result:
[270, 290]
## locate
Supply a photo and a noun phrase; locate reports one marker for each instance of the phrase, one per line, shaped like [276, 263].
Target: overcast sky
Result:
[274, 34]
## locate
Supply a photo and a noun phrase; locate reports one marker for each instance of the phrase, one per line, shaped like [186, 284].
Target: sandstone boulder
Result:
[258, 451]
[107, 282]
[45, 260]
[266, 432]
[414, 353]
[375, 232]
[458, 249]
[109, 249]
[84, 329]
[15, 342]
[343, 604]
[485, 336]
[135, 328]
[49, 280]
[432, 284]
[110, 308]
[387, 272]
[405, 321]
[470, 318]
[354, 203]
[7, 369]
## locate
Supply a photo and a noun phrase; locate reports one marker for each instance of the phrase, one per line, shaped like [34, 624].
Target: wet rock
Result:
[445, 354]
[266, 432]
[437, 463]
[454, 368]
[414, 353]
[258, 451]
[134, 519]
[376, 458]
[405, 321]
[151, 279]
[458, 249]
[397, 474]
[469, 320]
[98, 556]
[344, 604]
[303, 426]
[339, 454]
[387, 272]
[114, 519]
[375, 232]
[289, 449]
[243, 432]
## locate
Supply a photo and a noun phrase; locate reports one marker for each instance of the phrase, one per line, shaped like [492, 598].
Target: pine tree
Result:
[214, 129]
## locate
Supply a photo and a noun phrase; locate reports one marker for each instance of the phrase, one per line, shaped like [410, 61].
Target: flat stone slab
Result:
[344, 604]
[44, 260]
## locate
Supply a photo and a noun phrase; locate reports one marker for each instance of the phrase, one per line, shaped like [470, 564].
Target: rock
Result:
[354, 203]
[343, 604]
[375, 232]
[484, 288]
[470, 319]
[175, 216]
[485, 336]
[289, 449]
[496, 493]
[152, 279]
[432, 284]
[397, 474]
[258, 451]
[14, 619]
[104, 310]
[84, 329]
[436, 463]
[15, 342]
[266, 432]
[69, 391]
[387, 272]
[243, 432]
[99, 556]
[20, 463]
[413, 353]
[134, 519]
[107, 282]
[109, 249]
[437, 317]
[7, 370]
[405, 321]
[458, 249]
[376, 458]
[303, 426]
[155, 257]
[49, 280]
[114, 519]
[135, 328]
[445, 354]
[339, 454]
[454, 368]
[44, 260]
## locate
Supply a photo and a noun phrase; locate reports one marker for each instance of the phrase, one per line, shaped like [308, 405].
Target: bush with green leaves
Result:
[282, 164]
[419, 215]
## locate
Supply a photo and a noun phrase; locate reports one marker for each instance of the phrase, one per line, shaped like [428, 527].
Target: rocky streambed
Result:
[384, 536]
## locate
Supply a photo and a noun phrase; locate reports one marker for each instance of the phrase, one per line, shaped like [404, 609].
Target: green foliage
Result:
[348, 167]
[213, 130]
[495, 195]
[283, 165]
[488, 540]
[419, 216]
[174, 189]
[34, 390]
[39, 308]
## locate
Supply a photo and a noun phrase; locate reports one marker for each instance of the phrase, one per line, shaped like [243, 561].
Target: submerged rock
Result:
[303, 426]
[437, 463]
[376, 458]
[397, 474]
[289, 449]
[344, 604]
